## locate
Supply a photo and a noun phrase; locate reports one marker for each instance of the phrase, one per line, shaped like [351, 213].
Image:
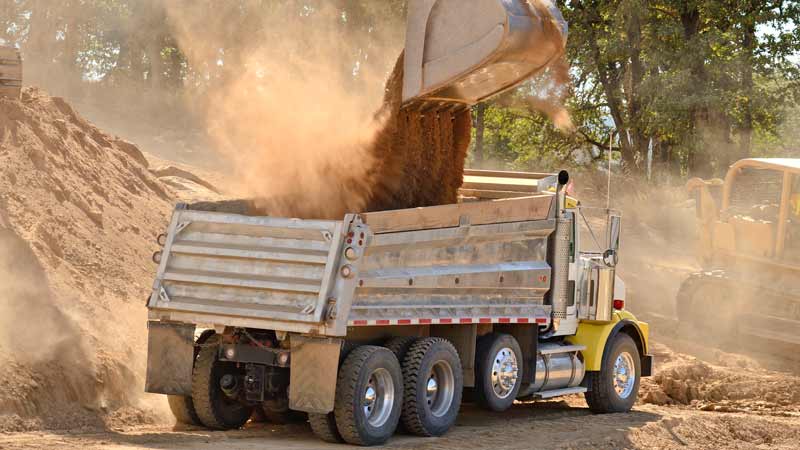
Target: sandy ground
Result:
[546, 425]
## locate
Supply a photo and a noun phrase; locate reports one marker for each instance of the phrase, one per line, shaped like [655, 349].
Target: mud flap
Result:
[170, 357]
[314, 368]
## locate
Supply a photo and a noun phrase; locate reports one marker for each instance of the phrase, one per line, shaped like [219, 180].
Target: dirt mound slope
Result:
[739, 386]
[79, 212]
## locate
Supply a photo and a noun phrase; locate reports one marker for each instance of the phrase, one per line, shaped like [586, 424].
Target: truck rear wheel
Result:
[277, 411]
[498, 369]
[183, 409]
[216, 408]
[433, 387]
[369, 393]
[324, 427]
[182, 406]
[615, 387]
[400, 345]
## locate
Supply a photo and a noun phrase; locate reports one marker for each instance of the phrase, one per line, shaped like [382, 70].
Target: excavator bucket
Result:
[10, 72]
[467, 51]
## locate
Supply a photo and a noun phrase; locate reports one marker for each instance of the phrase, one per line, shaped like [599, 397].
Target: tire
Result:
[368, 371]
[182, 406]
[347, 347]
[400, 345]
[183, 409]
[707, 308]
[324, 427]
[431, 409]
[498, 369]
[277, 411]
[604, 395]
[213, 407]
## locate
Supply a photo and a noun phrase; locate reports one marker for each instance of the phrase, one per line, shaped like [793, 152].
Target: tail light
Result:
[619, 304]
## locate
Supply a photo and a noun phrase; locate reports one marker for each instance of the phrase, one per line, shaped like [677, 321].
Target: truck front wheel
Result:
[615, 387]
[369, 393]
[214, 390]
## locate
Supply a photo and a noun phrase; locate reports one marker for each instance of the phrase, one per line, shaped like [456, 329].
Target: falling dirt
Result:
[420, 154]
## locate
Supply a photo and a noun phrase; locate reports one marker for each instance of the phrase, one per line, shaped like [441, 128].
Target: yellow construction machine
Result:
[749, 248]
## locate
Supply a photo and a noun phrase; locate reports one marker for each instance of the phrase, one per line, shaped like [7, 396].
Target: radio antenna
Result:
[608, 192]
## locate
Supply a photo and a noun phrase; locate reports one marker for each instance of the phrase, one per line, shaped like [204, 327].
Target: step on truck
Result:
[387, 317]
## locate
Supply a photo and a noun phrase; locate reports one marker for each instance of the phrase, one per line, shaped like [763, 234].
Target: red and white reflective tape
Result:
[446, 321]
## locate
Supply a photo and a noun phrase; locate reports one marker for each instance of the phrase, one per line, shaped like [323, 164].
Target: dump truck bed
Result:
[478, 262]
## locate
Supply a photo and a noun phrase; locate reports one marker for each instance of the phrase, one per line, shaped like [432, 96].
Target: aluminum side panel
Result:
[486, 271]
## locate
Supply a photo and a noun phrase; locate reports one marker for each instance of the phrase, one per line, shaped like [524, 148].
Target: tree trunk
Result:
[480, 127]
[635, 132]
[156, 72]
[698, 161]
[748, 48]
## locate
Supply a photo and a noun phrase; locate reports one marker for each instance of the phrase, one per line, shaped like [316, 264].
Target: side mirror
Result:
[610, 258]
[614, 228]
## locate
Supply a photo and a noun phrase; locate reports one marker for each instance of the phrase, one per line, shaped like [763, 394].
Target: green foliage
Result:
[707, 81]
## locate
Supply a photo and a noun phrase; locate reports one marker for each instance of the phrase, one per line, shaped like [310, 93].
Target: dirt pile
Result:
[78, 214]
[739, 385]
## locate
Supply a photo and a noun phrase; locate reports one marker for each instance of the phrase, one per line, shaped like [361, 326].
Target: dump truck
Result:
[748, 290]
[10, 72]
[386, 317]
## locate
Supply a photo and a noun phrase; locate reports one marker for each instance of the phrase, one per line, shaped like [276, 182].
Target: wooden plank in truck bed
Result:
[501, 184]
[447, 216]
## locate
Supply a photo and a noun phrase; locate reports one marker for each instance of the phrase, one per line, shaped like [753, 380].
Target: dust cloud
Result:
[308, 138]
[73, 266]
[289, 114]
[36, 330]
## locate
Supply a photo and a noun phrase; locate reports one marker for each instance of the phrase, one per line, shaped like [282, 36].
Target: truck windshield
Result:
[792, 246]
[591, 226]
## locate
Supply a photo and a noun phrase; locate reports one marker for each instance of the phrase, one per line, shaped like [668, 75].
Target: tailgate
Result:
[229, 269]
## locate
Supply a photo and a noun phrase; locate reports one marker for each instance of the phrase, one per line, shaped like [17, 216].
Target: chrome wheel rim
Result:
[377, 399]
[505, 372]
[440, 388]
[624, 375]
